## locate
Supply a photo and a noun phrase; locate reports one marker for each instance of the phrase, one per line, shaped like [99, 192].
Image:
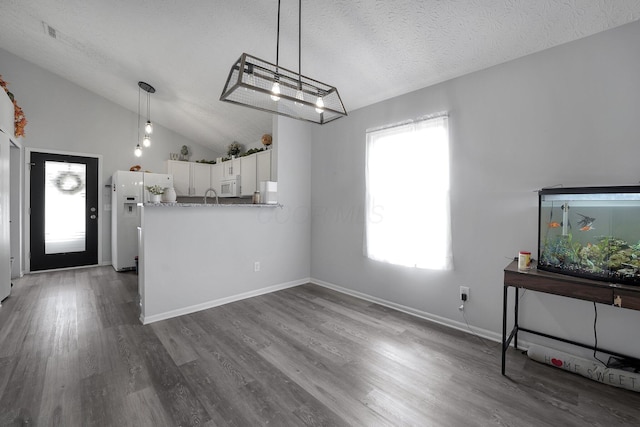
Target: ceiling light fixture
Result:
[271, 88]
[148, 126]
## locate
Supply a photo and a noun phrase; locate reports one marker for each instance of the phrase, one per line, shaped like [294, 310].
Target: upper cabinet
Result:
[193, 179]
[189, 178]
[263, 167]
[217, 176]
[200, 178]
[248, 175]
[254, 168]
[181, 172]
[231, 168]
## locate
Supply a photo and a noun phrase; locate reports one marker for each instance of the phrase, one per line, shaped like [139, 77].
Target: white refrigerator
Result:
[128, 190]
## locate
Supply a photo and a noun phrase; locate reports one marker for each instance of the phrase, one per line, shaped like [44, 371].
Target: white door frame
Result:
[27, 202]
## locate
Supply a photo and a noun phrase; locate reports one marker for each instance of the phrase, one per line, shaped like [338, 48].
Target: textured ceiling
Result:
[370, 50]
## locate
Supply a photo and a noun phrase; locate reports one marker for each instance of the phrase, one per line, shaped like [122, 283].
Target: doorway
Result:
[64, 211]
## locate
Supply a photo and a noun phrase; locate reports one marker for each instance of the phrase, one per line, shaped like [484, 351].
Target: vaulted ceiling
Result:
[370, 50]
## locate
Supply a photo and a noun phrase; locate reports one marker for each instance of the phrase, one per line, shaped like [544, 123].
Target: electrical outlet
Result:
[256, 266]
[464, 290]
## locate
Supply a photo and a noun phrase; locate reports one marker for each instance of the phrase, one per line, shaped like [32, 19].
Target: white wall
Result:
[63, 116]
[199, 257]
[567, 115]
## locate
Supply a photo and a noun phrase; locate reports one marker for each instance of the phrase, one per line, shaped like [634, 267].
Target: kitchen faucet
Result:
[214, 192]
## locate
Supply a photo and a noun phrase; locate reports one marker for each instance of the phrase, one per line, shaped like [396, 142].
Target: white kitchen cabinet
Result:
[231, 168]
[181, 172]
[200, 178]
[216, 176]
[194, 179]
[248, 176]
[254, 168]
[263, 167]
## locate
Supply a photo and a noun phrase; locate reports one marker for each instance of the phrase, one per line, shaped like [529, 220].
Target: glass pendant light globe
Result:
[319, 105]
[148, 128]
[138, 151]
[146, 141]
[251, 81]
[299, 96]
[275, 90]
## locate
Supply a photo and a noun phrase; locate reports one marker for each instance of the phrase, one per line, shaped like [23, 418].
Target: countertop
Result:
[209, 205]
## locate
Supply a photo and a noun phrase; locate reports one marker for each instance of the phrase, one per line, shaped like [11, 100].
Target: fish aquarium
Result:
[590, 232]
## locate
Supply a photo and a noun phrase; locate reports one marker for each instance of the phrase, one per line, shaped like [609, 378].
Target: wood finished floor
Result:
[72, 353]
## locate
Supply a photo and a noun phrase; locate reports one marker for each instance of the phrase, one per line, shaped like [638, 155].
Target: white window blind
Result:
[407, 195]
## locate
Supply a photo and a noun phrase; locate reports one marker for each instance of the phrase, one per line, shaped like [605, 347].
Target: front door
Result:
[64, 211]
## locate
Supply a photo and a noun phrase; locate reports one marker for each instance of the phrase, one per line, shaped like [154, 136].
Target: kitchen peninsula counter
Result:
[193, 256]
[208, 205]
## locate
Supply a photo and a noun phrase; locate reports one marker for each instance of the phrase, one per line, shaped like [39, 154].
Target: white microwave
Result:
[230, 187]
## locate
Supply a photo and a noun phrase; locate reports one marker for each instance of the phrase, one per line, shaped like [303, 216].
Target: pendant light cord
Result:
[138, 141]
[278, 40]
[299, 44]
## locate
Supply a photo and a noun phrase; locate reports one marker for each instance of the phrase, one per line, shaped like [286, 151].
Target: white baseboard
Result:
[221, 301]
[53, 270]
[484, 333]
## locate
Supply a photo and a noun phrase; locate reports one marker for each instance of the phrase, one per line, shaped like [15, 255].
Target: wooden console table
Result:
[567, 286]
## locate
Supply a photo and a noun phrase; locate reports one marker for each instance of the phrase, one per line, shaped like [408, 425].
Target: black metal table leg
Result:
[504, 326]
[516, 326]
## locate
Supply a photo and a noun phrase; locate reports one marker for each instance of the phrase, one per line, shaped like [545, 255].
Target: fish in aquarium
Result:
[586, 221]
[556, 224]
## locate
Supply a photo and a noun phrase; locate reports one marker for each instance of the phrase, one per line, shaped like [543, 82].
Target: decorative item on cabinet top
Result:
[245, 154]
[234, 149]
[266, 140]
[19, 120]
[184, 153]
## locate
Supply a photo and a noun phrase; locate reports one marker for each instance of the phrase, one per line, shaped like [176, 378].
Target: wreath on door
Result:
[68, 182]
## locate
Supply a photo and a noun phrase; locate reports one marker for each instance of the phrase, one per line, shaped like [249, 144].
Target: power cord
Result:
[595, 330]
[466, 321]
[595, 335]
[482, 340]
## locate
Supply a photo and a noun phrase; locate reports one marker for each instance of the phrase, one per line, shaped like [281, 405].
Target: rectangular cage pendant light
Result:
[251, 83]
